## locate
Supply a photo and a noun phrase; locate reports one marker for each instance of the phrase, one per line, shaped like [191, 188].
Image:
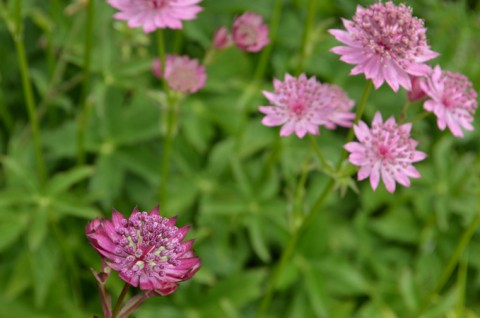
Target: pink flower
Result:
[340, 107]
[416, 93]
[250, 33]
[452, 99]
[146, 250]
[156, 14]
[182, 74]
[386, 43]
[222, 39]
[387, 151]
[302, 104]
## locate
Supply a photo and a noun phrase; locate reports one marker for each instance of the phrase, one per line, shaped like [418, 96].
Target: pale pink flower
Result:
[340, 105]
[416, 93]
[452, 99]
[386, 43]
[250, 33]
[222, 38]
[182, 73]
[156, 14]
[387, 151]
[146, 250]
[301, 105]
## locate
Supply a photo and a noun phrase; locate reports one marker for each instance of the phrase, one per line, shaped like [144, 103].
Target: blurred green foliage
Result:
[367, 254]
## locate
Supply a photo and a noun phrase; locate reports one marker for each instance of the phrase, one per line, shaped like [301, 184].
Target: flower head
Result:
[387, 151]
[452, 99]
[182, 73]
[302, 104]
[146, 250]
[250, 33]
[416, 93]
[222, 39]
[156, 14]
[386, 43]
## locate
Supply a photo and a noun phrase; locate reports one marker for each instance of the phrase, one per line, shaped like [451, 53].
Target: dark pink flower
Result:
[156, 14]
[301, 105]
[385, 151]
[146, 250]
[182, 73]
[386, 43]
[250, 33]
[222, 39]
[416, 93]
[452, 99]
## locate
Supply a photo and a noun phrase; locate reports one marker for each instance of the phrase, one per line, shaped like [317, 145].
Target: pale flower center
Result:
[157, 4]
[248, 34]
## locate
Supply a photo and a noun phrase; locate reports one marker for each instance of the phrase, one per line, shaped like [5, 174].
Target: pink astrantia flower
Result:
[146, 250]
[452, 99]
[416, 93]
[302, 104]
[156, 14]
[222, 39]
[387, 151]
[182, 73]
[340, 105]
[386, 43]
[250, 33]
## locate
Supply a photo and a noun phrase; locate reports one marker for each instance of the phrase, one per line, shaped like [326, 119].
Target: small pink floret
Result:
[452, 98]
[250, 33]
[147, 250]
[300, 105]
[386, 43]
[222, 38]
[156, 14]
[182, 73]
[385, 152]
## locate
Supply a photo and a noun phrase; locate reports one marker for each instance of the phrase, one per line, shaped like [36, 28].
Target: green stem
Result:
[420, 117]
[28, 93]
[311, 10]
[86, 106]
[358, 115]
[161, 51]
[403, 112]
[318, 152]
[120, 300]
[462, 285]
[452, 263]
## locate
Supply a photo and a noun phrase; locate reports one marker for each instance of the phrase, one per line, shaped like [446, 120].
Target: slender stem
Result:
[300, 194]
[120, 300]
[452, 263]
[318, 152]
[288, 251]
[161, 50]
[358, 115]
[420, 117]
[86, 106]
[311, 11]
[462, 285]
[28, 93]
[403, 112]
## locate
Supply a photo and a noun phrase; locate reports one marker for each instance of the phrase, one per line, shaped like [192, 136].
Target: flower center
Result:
[157, 4]
[248, 34]
[297, 107]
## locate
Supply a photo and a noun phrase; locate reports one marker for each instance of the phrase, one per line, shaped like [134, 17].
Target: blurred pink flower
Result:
[452, 99]
[416, 93]
[250, 33]
[156, 14]
[302, 104]
[146, 250]
[340, 107]
[182, 73]
[387, 151]
[386, 43]
[222, 39]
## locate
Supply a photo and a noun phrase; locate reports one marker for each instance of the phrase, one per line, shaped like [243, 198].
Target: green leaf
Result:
[257, 237]
[68, 205]
[12, 224]
[63, 181]
[38, 227]
[44, 266]
[317, 294]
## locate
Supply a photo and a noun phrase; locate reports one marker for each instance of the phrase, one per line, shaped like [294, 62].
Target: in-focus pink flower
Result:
[386, 43]
[452, 99]
[387, 151]
[222, 38]
[146, 250]
[340, 105]
[250, 33]
[301, 105]
[156, 14]
[182, 73]
[416, 93]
